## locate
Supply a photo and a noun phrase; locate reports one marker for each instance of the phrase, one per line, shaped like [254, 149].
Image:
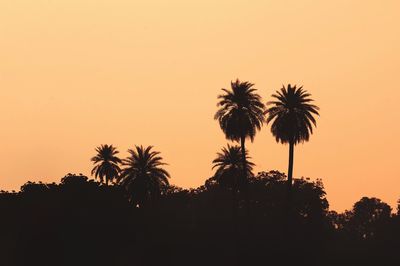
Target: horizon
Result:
[148, 73]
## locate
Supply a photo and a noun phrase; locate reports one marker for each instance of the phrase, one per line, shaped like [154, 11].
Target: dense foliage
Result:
[82, 222]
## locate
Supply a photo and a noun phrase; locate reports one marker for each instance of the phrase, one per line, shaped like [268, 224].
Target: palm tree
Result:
[229, 167]
[143, 176]
[241, 114]
[229, 173]
[106, 163]
[292, 116]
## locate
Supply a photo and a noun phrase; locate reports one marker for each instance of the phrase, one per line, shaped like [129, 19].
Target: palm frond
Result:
[106, 163]
[241, 112]
[291, 115]
[142, 173]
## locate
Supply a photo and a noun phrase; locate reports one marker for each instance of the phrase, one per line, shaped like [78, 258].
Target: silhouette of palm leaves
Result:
[242, 111]
[292, 115]
[229, 166]
[106, 163]
[143, 175]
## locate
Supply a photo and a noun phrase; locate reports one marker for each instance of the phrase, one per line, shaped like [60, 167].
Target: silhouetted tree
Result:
[292, 116]
[34, 188]
[229, 167]
[368, 216]
[241, 114]
[106, 163]
[309, 196]
[142, 175]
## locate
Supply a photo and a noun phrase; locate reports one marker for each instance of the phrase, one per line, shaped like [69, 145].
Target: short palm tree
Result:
[229, 167]
[143, 175]
[106, 164]
[241, 113]
[292, 117]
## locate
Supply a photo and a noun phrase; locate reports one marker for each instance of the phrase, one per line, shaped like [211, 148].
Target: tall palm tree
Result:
[229, 167]
[106, 162]
[292, 116]
[143, 175]
[241, 114]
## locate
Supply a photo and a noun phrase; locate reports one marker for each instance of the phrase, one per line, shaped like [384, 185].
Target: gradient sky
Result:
[75, 74]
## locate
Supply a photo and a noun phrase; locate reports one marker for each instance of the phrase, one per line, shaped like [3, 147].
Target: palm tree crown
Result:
[242, 111]
[106, 163]
[142, 174]
[229, 161]
[292, 115]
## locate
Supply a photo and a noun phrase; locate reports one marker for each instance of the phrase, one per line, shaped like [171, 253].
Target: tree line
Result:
[79, 221]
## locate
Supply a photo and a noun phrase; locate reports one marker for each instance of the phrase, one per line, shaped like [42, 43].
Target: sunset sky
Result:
[75, 74]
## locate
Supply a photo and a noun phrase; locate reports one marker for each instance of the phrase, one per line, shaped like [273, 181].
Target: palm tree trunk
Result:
[290, 169]
[245, 180]
[244, 162]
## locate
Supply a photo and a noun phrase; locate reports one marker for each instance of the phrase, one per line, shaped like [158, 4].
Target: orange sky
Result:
[78, 73]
